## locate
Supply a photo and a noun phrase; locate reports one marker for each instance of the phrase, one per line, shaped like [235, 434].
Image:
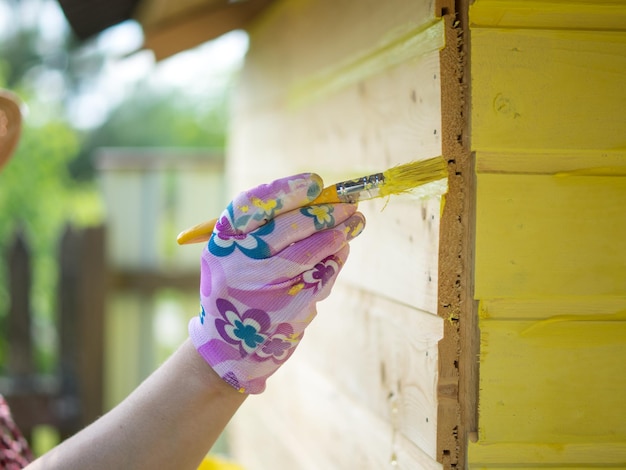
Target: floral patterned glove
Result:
[269, 260]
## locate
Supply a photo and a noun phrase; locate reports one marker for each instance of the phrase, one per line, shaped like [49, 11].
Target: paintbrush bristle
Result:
[407, 176]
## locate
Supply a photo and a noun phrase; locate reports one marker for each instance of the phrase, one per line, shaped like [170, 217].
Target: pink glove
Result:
[266, 265]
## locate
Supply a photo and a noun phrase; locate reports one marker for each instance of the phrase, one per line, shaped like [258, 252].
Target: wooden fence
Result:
[73, 396]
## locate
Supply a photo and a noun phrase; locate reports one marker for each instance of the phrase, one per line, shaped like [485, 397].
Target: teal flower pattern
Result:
[322, 215]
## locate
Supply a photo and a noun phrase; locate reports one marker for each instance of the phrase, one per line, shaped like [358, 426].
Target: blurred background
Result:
[118, 153]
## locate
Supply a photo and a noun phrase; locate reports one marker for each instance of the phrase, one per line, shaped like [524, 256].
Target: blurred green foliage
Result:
[50, 180]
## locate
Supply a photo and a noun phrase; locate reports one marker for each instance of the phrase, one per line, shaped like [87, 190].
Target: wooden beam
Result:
[173, 35]
[458, 365]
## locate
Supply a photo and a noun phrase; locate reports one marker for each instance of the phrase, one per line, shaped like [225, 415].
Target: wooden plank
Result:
[371, 122]
[548, 89]
[332, 431]
[318, 36]
[380, 354]
[596, 456]
[404, 267]
[542, 236]
[552, 161]
[550, 14]
[419, 41]
[557, 309]
[458, 368]
[20, 362]
[167, 34]
[551, 392]
[388, 119]
[553, 381]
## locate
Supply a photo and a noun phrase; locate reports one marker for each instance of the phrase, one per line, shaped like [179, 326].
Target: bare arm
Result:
[169, 422]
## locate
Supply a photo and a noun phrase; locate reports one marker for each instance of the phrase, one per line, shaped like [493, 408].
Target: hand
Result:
[270, 259]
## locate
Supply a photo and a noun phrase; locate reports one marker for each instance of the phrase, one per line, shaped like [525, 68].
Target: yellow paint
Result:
[550, 263]
[551, 323]
[266, 206]
[555, 384]
[296, 288]
[540, 236]
[551, 161]
[535, 90]
[418, 41]
[550, 14]
[595, 171]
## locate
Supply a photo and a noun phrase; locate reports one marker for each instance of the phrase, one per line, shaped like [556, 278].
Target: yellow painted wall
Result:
[549, 132]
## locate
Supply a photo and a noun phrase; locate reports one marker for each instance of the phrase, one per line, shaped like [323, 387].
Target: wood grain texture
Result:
[550, 14]
[552, 390]
[548, 89]
[548, 130]
[543, 236]
[550, 161]
[302, 428]
[376, 355]
[388, 119]
[361, 391]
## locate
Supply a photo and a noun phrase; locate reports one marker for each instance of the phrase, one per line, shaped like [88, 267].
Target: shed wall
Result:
[549, 134]
[343, 89]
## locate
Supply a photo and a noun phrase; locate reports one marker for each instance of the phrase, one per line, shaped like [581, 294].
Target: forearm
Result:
[170, 421]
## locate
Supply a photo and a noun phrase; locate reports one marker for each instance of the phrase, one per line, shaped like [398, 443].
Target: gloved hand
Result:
[270, 259]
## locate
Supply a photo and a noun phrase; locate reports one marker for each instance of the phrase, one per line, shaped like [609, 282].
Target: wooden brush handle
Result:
[202, 232]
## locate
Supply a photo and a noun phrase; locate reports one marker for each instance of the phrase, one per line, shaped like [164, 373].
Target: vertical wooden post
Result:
[68, 287]
[82, 287]
[91, 302]
[20, 360]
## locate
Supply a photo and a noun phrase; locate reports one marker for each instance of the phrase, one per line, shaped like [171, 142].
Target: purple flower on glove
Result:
[246, 331]
[321, 273]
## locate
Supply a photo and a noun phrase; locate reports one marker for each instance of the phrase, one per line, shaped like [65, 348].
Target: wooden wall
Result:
[345, 88]
[549, 133]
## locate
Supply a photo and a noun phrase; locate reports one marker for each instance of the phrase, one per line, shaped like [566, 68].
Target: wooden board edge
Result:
[458, 350]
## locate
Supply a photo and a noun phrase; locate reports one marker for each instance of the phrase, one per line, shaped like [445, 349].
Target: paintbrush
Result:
[396, 180]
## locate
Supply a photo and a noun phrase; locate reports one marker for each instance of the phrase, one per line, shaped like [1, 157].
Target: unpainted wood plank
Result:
[295, 40]
[553, 382]
[551, 14]
[317, 426]
[388, 119]
[380, 354]
[548, 89]
[396, 255]
[542, 236]
[169, 32]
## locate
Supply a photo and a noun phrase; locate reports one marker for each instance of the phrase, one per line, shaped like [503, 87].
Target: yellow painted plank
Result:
[535, 90]
[551, 161]
[541, 236]
[550, 14]
[546, 455]
[553, 382]
[563, 308]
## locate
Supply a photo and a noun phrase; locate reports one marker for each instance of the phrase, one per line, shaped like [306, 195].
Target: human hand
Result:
[270, 259]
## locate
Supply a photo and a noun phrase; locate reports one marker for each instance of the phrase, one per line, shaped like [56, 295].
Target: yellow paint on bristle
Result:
[402, 178]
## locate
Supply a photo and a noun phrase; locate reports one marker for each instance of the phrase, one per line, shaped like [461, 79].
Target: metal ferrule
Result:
[360, 189]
